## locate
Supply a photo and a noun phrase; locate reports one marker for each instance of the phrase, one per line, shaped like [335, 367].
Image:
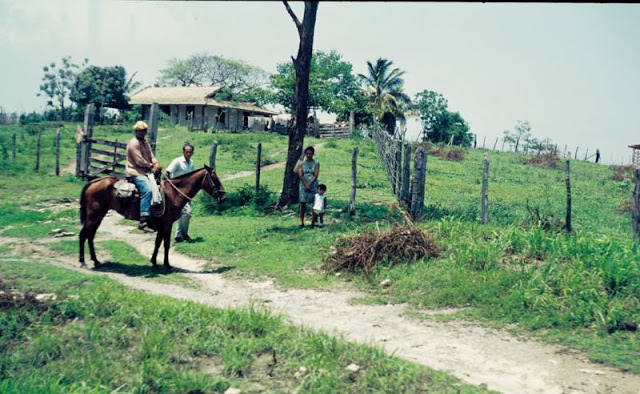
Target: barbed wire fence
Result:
[396, 158]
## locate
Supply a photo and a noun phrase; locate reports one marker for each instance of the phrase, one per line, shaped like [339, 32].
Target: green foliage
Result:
[57, 83]
[103, 87]
[384, 88]
[438, 123]
[263, 201]
[212, 70]
[332, 85]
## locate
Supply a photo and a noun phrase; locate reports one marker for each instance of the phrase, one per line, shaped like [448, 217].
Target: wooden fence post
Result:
[475, 141]
[451, 140]
[86, 145]
[567, 178]
[205, 123]
[635, 206]
[58, 151]
[38, 151]
[483, 141]
[258, 161]
[418, 183]
[352, 121]
[352, 198]
[13, 139]
[397, 168]
[485, 190]
[503, 141]
[576, 156]
[495, 143]
[212, 155]
[586, 154]
[153, 126]
[190, 116]
[406, 172]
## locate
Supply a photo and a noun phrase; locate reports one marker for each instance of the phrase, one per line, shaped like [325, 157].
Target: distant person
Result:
[319, 206]
[308, 170]
[140, 164]
[178, 167]
[597, 156]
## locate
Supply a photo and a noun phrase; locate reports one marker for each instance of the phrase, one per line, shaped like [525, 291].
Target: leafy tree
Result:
[432, 107]
[384, 87]
[58, 81]
[438, 123]
[521, 132]
[103, 87]
[332, 85]
[210, 70]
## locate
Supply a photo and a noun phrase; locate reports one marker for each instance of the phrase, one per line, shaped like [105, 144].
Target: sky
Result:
[571, 70]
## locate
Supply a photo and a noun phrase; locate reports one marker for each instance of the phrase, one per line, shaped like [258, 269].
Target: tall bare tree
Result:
[298, 125]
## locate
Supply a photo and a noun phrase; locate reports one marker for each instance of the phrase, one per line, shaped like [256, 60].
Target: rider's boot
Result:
[144, 225]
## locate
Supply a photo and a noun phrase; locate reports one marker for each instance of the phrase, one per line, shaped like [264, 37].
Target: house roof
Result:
[636, 146]
[190, 95]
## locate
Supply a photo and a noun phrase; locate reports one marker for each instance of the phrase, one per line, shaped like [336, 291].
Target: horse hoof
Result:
[168, 267]
[83, 265]
[97, 264]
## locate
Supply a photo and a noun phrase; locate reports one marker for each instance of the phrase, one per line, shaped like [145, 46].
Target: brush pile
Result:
[401, 244]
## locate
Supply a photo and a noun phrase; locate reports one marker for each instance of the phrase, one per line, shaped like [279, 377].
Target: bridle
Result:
[206, 176]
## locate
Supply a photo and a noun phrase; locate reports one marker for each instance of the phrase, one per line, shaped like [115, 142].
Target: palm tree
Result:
[384, 86]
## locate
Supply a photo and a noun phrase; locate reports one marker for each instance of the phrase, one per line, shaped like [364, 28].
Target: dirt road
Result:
[475, 354]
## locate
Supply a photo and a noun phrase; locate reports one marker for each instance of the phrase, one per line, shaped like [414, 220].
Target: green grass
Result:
[581, 290]
[98, 336]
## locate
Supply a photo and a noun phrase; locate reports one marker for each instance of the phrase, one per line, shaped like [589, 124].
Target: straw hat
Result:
[140, 125]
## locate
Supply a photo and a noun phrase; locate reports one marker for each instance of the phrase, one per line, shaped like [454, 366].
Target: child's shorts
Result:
[317, 211]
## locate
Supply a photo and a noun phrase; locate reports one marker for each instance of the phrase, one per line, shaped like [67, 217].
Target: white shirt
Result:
[318, 202]
[180, 166]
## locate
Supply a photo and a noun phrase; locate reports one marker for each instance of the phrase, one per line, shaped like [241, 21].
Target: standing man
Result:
[140, 163]
[180, 166]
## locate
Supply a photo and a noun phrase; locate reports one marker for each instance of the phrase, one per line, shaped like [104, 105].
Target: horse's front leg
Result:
[166, 232]
[82, 238]
[156, 248]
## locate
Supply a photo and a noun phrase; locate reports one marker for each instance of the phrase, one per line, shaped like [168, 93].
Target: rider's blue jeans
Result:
[142, 183]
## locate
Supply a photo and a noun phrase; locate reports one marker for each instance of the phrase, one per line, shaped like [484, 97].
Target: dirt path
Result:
[475, 354]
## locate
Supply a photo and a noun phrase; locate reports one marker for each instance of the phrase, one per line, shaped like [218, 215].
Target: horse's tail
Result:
[83, 203]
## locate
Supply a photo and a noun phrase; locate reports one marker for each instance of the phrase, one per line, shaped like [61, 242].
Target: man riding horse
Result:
[140, 163]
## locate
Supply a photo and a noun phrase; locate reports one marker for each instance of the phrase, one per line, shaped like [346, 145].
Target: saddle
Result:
[128, 198]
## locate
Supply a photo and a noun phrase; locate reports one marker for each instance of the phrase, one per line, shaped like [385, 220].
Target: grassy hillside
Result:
[580, 289]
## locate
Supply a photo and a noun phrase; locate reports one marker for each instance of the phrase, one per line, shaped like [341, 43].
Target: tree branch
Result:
[294, 17]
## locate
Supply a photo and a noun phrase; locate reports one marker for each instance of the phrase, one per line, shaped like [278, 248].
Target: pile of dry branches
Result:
[396, 245]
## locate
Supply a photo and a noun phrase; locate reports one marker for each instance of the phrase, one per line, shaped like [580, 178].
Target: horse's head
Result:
[212, 184]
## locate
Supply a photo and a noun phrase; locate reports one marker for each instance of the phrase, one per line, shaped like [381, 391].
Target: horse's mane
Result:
[187, 174]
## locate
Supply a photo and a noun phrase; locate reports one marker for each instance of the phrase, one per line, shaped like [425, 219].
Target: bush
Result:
[450, 153]
[246, 197]
[620, 173]
[546, 159]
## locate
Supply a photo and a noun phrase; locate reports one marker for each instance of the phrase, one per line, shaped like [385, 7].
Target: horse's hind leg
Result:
[156, 248]
[166, 233]
[83, 237]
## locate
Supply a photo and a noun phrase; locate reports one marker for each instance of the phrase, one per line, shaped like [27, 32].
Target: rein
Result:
[202, 185]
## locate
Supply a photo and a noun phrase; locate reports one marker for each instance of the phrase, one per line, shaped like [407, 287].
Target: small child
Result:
[319, 206]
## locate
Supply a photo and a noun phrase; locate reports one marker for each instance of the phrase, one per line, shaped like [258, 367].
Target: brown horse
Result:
[99, 195]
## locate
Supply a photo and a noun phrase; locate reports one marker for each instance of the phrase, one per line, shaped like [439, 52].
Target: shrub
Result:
[246, 197]
[547, 159]
[451, 153]
[620, 173]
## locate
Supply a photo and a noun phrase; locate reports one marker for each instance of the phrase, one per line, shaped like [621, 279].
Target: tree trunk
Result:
[298, 125]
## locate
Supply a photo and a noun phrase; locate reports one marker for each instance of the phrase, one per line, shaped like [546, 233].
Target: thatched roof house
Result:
[180, 101]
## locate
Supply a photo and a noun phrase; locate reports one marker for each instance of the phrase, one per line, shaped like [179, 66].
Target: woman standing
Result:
[308, 173]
